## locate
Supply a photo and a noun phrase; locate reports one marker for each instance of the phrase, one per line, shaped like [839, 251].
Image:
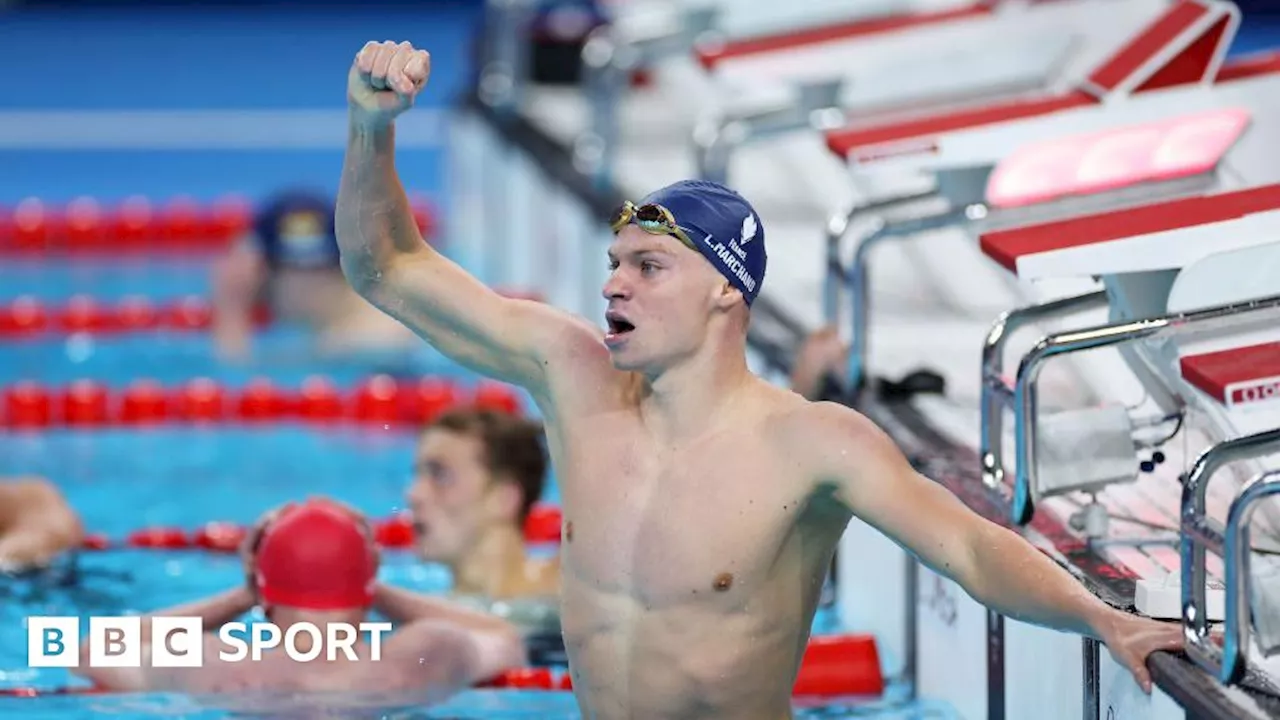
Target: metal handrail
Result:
[1025, 388]
[607, 62]
[504, 68]
[1200, 534]
[855, 278]
[715, 138]
[837, 226]
[995, 391]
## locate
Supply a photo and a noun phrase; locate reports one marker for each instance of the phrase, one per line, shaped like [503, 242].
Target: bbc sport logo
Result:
[178, 642]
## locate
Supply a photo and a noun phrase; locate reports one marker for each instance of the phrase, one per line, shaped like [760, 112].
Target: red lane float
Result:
[26, 317]
[846, 665]
[181, 224]
[30, 692]
[379, 400]
[394, 532]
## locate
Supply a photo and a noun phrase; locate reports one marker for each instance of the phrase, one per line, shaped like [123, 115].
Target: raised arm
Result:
[238, 278]
[997, 567]
[386, 260]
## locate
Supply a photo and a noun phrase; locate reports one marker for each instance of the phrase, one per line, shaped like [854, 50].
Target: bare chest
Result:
[668, 526]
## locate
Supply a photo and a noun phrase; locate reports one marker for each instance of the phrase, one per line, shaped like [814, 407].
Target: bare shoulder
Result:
[824, 434]
[572, 340]
[580, 374]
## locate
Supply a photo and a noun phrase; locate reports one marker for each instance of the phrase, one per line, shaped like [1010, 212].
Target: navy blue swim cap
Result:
[722, 226]
[296, 230]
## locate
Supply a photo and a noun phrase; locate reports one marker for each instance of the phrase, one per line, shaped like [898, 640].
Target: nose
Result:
[416, 493]
[616, 287]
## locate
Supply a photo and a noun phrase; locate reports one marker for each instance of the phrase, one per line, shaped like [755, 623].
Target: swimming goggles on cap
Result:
[652, 218]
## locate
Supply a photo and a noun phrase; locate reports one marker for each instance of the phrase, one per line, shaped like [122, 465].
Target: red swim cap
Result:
[316, 556]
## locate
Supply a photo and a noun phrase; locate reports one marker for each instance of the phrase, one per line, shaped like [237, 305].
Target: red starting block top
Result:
[1236, 377]
[710, 56]
[1007, 246]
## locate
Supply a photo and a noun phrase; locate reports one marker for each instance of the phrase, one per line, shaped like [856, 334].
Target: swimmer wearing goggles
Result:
[702, 503]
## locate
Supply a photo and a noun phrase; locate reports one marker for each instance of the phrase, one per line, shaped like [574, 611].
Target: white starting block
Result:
[752, 21]
[775, 64]
[641, 36]
[1216, 259]
[794, 81]
[1232, 377]
[1174, 66]
[1132, 250]
[955, 155]
[934, 170]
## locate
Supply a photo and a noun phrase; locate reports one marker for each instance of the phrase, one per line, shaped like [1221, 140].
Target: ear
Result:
[503, 500]
[728, 296]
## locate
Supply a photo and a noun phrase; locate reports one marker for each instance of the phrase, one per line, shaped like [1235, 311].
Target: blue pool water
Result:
[171, 358]
[105, 280]
[124, 480]
[121, 480]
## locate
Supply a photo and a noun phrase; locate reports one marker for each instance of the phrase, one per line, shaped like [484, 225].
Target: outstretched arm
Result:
[386, 260]
[997, 567]
[214, 612]
[468, 646]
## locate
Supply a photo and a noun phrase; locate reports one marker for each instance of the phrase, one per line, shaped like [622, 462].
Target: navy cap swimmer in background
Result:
[295, 230]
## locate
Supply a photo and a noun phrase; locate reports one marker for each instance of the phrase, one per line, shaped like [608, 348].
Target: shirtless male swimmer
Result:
[702, 504]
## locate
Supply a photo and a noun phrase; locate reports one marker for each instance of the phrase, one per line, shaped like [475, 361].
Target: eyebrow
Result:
[634, 254]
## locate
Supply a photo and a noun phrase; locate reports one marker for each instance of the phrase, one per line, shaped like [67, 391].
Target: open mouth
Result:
[618, 325]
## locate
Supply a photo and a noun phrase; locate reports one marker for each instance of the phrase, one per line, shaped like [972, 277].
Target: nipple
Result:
[723, 582]
[568, 531]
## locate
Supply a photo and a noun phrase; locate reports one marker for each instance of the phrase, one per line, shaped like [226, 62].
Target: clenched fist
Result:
[384, 80]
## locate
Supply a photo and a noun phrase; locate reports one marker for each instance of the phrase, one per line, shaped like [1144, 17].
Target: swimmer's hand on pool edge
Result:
[384, 80]
[1132, 638]
[869, 474]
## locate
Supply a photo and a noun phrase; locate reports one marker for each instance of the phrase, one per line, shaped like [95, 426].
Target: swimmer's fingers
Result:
[382, 65]
[396, 79]
[418, 69]
[1134, 639]
[363, 64]
[23, 551]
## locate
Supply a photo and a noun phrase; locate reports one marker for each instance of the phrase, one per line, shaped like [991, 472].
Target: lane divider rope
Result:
[377, 400]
